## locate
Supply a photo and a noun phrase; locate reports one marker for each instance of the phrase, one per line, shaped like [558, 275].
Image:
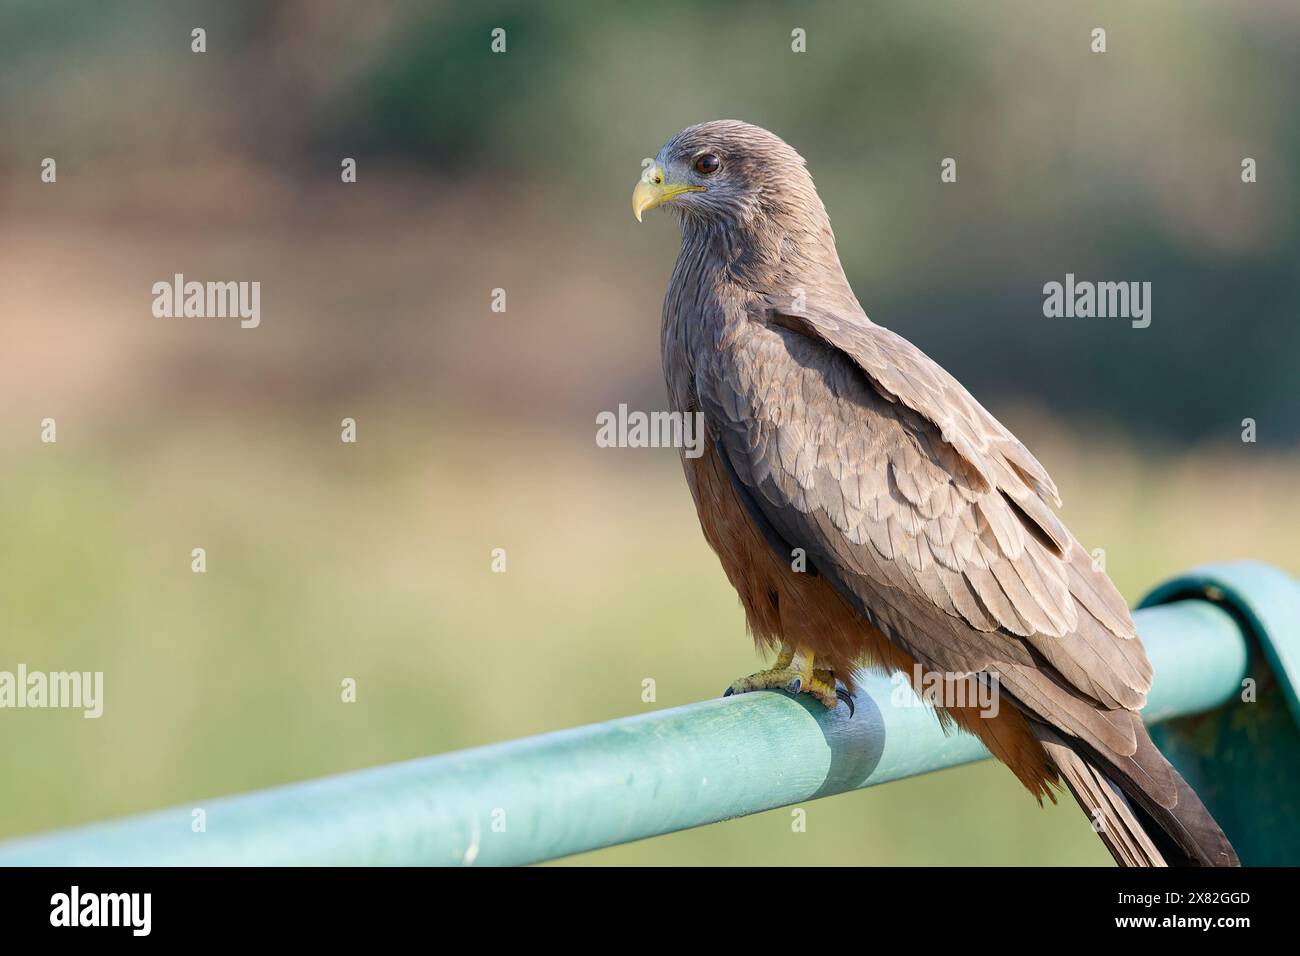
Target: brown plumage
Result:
[928, 528]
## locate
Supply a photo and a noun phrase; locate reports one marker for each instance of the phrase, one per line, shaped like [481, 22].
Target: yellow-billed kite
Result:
[930, 541]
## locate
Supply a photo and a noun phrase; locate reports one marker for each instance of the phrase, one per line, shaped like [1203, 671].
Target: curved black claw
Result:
[728, 692]
[845, 696]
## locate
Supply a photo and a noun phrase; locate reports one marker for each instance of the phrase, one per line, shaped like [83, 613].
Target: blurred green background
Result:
[476, 429]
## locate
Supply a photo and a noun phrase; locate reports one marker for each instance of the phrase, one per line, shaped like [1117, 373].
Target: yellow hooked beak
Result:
[655, 190]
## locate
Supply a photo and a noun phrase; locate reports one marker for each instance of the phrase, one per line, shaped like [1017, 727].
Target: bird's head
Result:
[746, 195]
[724, 170]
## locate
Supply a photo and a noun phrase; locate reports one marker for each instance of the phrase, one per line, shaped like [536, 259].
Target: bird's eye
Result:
[708, 164]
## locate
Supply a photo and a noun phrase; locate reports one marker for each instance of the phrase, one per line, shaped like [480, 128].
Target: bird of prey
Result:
[870, 512]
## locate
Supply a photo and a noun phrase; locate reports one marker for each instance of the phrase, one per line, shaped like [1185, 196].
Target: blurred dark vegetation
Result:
[1123, 166]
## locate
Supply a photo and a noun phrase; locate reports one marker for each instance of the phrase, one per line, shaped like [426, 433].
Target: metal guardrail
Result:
[561, 793]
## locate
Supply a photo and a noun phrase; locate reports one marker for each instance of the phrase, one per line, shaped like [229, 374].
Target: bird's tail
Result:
[1138, 829]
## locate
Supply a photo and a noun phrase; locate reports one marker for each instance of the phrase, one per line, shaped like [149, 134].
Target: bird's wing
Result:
[925, 513]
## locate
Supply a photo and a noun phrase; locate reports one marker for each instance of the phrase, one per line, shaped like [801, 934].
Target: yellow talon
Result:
[793, 679]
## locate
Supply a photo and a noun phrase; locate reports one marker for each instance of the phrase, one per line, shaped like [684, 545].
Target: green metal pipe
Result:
[561, 793]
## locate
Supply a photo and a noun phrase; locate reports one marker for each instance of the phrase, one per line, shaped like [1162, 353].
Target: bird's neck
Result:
[772, 252]
[726, 267]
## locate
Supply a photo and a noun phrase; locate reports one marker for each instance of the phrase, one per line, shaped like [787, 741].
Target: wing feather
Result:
[926, 514]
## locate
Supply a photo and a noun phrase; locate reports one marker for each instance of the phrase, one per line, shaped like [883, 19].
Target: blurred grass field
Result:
[372, 561]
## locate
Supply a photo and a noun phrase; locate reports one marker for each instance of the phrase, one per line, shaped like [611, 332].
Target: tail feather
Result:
[1105, 804]
[1138, 829]
[1194, 834]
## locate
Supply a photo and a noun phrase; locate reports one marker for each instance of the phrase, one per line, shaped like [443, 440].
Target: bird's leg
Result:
[795, 674]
